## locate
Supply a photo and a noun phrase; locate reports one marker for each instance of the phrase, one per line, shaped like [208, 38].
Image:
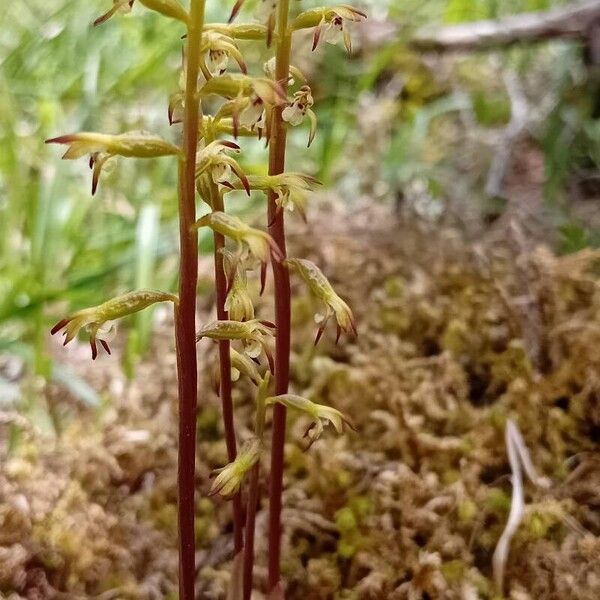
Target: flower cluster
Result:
[214, 105]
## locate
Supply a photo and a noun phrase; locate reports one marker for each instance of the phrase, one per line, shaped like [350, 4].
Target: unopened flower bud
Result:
[241, 364]
[230, 477]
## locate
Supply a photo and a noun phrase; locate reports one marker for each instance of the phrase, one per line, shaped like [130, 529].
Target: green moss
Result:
[394, 287]
[453, 570]
[362, 506]
[344, 479]
[208, 424]
[498, 501]
[346, 549]
[345, 520]
[467, 510]
[166, 517]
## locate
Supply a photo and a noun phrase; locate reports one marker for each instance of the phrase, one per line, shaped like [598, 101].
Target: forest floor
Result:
[454, 340]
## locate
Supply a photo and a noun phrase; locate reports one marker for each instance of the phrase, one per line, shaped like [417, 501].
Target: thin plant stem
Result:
[281, 279]
[253, 491]
[217, 204]
[185, 319]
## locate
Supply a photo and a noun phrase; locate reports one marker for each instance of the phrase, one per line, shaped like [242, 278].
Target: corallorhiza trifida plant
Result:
[262, 103]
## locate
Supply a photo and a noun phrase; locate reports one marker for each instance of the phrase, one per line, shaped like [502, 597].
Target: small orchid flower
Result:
[322, 415]
[290, 189]
[258, 242]
[219, 48]
[94, 319]
[102, 147]
[230, 477]
[330, 24]
[319, 285]
[214, 159]
[168, 8]
[300, 107]
[333, 26]
[251, 100]
[242, 365]
[270, 68]
[253, 334]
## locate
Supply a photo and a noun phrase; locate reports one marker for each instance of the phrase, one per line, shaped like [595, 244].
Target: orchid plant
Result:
[263, 106]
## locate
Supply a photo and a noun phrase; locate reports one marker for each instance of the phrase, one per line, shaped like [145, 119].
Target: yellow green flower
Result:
[331, 24]
[322, 415]
[334, 306]
[258, 242]
[238, 302]
[242, 365]
[95, 319]
[215, 161]
[101, 147]
[218, 49]
[230, 477]
[255, 335]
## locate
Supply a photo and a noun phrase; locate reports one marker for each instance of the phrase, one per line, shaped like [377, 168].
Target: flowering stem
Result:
[253, 497]
[282, 298]
[217, 204]
[185, 321]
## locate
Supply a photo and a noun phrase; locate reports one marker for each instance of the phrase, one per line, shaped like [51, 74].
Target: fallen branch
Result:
[571, 22]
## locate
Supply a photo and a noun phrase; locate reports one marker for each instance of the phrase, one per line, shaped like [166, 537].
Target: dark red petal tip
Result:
[59, 326]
